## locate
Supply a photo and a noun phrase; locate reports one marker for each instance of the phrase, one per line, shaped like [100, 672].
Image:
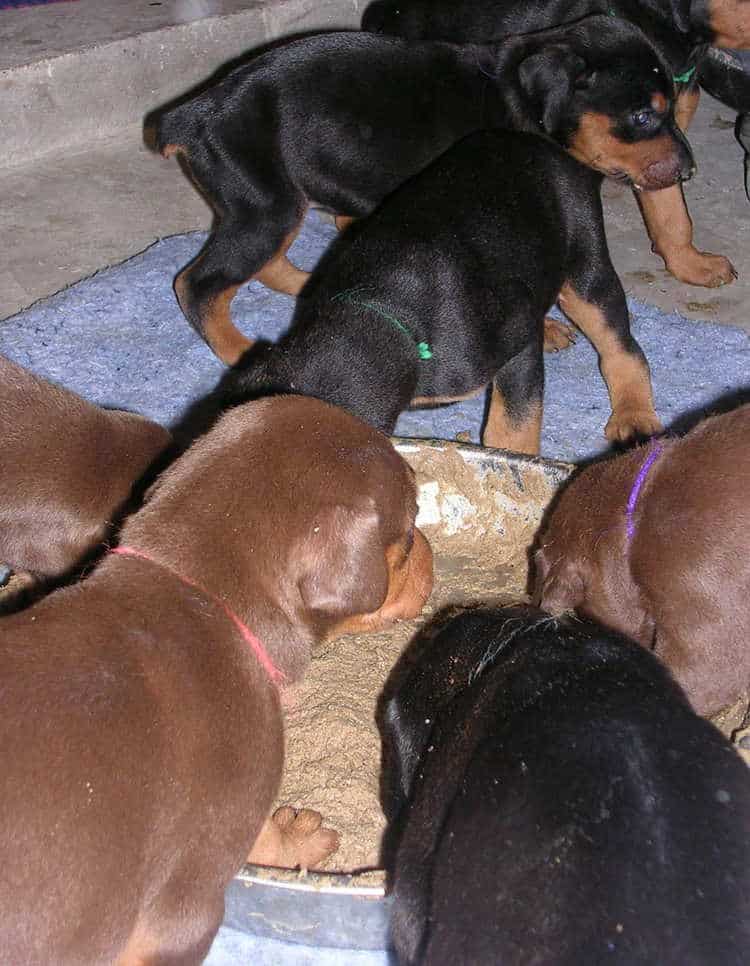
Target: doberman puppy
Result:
[556, 800]
[141, 724]
[681, 30]
[343, 119]
[444, 288]
[654, 544]
[68, 471]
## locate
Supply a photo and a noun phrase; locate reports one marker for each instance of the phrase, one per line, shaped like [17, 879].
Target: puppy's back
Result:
[573, 810]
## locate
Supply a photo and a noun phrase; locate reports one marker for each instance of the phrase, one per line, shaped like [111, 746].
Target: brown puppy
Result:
[141, 727]
[67, 469]
[654, 544]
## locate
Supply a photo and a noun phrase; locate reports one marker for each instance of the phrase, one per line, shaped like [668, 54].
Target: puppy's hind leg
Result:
[242, 246]
[514, 418]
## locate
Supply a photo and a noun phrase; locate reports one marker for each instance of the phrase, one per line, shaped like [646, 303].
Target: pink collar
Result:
[276, 676]
[637, 487]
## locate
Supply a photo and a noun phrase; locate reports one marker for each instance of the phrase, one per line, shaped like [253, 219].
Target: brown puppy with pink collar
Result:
[67, 469]
[141, 726]
[654, 544]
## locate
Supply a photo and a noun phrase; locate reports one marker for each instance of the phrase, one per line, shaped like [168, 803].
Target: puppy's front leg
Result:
[290, 839]
[621, 360]
[671, 232]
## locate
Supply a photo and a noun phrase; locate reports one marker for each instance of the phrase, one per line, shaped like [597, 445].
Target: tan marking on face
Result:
[503, 432]
[659, 102]
[596, 146]
[730, 22]
[410, 580]
[626, 376]
[343, 221]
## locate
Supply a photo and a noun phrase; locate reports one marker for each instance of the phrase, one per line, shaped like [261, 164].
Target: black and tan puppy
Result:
[444, 289]
[557, 801]
[343, 119]
[681, 31]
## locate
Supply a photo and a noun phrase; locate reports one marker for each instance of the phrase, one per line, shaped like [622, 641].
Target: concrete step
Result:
[73, 73]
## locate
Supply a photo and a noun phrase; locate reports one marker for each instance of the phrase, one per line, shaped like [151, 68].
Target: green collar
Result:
[684, 77]
[423, 348]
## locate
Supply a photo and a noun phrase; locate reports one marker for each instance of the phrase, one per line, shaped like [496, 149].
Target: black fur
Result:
[559, 802]
[678, 28]
[343, 119]
[467, 257]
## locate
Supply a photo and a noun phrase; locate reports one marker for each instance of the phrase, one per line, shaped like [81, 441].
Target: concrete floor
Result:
[72, 204]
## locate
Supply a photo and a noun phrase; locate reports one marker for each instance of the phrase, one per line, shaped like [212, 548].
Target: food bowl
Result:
[475, 505]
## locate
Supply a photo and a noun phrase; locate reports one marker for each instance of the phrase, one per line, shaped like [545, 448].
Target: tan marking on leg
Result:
[170, 149]
[502, 432]
[671, 232]
[279, 274]
[626, 376]
[215, 324]
[343, 221]
[557, 335]
[443, 400]
[685, 107]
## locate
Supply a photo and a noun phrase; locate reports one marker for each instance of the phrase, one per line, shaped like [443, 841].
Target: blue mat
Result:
[119, 339]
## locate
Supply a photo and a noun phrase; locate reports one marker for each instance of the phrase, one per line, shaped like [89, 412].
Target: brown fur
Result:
[67, 471]
[142, 740]
[681, 585]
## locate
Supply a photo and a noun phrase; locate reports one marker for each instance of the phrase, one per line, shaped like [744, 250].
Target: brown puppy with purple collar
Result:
[140, 721]
[654, 544]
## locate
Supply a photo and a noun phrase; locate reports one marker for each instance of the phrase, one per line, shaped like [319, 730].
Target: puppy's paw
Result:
[557, 335]
[700, 268]
[304, 836]
[293, 839]
[629, 423]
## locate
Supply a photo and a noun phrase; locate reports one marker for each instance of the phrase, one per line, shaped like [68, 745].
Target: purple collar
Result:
[637, 487]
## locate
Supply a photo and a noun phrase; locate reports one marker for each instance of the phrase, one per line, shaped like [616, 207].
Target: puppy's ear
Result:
[558, 583]
[548, 79]
[343, 565]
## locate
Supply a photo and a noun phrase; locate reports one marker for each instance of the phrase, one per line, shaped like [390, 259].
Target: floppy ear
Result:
[558, 583]
[548, 79]
[343, 565]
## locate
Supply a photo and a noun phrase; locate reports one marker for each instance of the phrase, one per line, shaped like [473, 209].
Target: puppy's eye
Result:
[641, 118]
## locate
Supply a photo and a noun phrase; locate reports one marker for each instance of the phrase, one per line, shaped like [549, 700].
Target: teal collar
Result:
[423, 348]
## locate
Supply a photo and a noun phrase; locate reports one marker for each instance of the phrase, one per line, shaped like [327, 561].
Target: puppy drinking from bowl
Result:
[444, 290]
[654, 544]
[68, 471]
[141, 721]
[556, 800]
